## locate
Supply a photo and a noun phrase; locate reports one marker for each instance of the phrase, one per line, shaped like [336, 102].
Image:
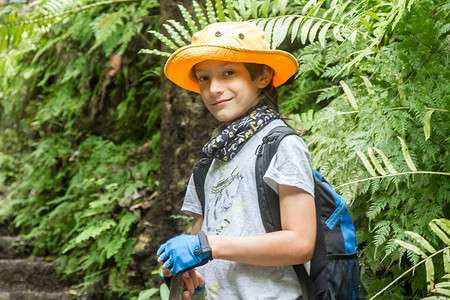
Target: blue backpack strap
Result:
[199, 172]
[269, 204]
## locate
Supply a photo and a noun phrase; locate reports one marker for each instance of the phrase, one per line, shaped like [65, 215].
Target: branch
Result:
[407, 271]
[391, 175]
[71, 11]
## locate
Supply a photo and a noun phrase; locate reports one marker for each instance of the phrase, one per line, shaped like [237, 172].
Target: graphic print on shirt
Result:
[219, 212]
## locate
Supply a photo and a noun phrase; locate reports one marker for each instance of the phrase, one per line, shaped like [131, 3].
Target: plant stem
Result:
[407, 271]
[391, 175]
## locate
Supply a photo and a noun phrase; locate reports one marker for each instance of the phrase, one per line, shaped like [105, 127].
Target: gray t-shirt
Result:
[231, 208]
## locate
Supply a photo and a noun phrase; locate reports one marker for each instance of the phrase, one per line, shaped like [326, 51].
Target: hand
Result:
[193, 283]
[185, 252]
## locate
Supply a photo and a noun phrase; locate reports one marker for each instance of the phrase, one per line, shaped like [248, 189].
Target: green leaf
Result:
[174, 35]
[295, 28]
[164, 292]
[323, 33]
[440, 228]
[154, 51]
[368, 84]
[283, 6]
[375, 162]
[278, 37]
[313, 31]
[406, 155]
[366, 163]
[147, 294]
[429, 266]
[443, 285]
[254, 9]
[184, 32]
[349, 94]
[220, 11]
[308, 6]
[305, 30]
[372, 14]
[412, 248]
[386, 161]
[268, 31]
[210, 12]
[199, 14]
[282, 28]
[364, 22]
[427, 124]
[423, 242]
[164, 39]
[446, 259]
[352, 36]
[337, 34]
[188, 19]
[445, 292]
[265, 8]
[230, 8]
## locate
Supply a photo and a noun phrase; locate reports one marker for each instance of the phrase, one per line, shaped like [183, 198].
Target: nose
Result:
[216, 86]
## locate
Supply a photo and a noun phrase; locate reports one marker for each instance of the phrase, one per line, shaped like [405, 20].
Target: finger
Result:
[168, 264]
[160, 261]
[161, 249]
[186, 295]
[164, 256]
[194, 278]
[199, 277]
[167, 272]
[188, 283]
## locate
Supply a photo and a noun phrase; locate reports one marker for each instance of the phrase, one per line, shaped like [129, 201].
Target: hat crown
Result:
[244, 35]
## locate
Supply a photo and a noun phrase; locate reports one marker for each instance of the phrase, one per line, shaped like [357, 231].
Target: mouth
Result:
[221, 102]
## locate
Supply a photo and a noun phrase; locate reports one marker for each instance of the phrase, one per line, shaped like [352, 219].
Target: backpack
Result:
[335, 269]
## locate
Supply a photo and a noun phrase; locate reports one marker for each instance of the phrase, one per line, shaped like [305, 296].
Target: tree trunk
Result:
[186, 125]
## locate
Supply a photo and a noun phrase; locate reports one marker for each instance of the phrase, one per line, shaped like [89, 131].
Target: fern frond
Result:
[181, 29]
[265, 8]
[188, 19]
[313, 31]
[210, 12]
[174, 35]
[163, 39]
[154, 52]
[199, 14]
[220, 10]
[305, 30]
[295, 28]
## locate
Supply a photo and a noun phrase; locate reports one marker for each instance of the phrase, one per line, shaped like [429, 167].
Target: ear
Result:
[265, 77]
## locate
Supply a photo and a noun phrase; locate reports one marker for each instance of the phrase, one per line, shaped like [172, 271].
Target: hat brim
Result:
[180, 63]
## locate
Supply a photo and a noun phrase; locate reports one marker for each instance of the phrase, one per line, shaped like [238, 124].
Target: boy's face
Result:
[227, 89]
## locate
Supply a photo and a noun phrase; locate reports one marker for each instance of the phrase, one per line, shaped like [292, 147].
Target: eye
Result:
[229, 73]
[202, 78]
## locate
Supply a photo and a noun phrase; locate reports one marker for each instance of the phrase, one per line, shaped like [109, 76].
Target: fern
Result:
[426, 251]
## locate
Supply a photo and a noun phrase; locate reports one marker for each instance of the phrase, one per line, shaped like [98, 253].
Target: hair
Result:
[269, 94]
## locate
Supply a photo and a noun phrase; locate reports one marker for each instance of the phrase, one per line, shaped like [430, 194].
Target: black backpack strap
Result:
[199, 172]
[269, 204]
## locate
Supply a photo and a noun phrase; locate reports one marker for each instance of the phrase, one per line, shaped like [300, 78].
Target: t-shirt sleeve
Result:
[291, 165]
[191, 203]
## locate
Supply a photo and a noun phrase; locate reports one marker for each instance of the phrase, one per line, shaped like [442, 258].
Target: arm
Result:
[196, 224]
[292, 245]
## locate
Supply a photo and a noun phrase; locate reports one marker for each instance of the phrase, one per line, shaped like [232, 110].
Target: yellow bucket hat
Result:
[228, 41]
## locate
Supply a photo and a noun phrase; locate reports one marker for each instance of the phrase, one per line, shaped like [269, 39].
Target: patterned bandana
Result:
[227, 144]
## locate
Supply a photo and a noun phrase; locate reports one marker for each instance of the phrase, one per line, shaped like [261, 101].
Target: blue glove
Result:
[185, 252]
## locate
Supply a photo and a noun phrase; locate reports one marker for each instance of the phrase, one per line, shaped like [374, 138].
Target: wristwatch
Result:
[204, 244]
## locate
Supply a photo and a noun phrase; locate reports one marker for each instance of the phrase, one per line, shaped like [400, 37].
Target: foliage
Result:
[372, 92]
[79, 138]
[441, 227]
[377, 142]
